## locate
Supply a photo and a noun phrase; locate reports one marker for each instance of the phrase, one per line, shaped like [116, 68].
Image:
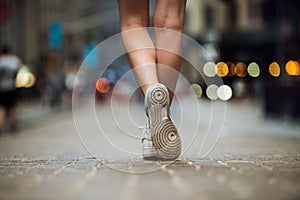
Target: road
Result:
[51, 158]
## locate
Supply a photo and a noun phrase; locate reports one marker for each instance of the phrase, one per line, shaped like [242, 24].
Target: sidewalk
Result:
[48, 161]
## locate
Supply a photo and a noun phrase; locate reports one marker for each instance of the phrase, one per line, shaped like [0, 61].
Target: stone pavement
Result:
[257, 160]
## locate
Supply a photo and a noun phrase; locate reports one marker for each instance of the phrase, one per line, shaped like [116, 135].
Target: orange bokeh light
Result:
[292, 68]
[274, 69]
[231, 68]
[241, 69]
[103, 85]
[222, 69]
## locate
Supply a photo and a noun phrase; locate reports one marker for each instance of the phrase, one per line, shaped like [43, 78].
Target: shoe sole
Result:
[164, 134]
[151, 154]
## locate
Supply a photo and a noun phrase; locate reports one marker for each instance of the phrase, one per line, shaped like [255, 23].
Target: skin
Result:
[150, 61]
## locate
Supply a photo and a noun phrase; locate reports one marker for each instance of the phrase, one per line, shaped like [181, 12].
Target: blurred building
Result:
[26, 25]
[247, 29]
[233, 24]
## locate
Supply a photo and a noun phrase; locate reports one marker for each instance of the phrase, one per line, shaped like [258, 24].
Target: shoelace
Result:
[146, 132]
[146, 136]
[145, 129]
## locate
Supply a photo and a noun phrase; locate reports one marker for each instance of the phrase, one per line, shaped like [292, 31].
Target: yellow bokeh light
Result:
[221, 69]
[241, 69]
[274, 69]
[292, 68]
[25, 80]
[253, 69]
[197, 90]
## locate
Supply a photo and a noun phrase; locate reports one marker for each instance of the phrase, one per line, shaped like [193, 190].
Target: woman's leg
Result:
[169, 19]
[134, 19]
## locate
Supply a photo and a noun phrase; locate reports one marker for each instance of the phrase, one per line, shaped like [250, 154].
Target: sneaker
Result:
[162, 141]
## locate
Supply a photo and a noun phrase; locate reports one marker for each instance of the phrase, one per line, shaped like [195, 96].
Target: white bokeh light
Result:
[224, 92]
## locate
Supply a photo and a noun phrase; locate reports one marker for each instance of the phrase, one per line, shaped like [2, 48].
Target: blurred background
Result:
[254, 43]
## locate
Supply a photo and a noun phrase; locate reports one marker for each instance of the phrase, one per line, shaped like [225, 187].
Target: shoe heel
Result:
[158, 95]
[166, 140]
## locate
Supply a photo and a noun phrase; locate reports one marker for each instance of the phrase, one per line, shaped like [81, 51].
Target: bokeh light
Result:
[221, 69]
[197, 90]
[274, 69]
[211, 92]
[241, 69]
[209, 69]
[253, 69]
[103, 85]
[224, 92]
[25, 79]
[292, 68]
[231, 68]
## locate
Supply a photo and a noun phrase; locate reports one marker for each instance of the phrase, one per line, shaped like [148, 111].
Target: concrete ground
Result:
[51, 158]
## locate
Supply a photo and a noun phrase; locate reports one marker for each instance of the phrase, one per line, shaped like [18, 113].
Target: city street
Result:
[78, 71]
[254, 159]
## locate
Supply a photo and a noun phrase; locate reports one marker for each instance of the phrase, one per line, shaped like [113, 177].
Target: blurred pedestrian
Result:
[9, 66]
[70, 83]
[156, 66]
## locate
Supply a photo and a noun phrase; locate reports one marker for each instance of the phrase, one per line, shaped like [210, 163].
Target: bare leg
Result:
[134, 19]
[169, 18]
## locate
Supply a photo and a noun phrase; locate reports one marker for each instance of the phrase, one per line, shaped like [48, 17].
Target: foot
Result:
[162, 140]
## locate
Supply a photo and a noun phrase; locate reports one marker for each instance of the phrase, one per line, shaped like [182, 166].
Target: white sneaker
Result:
[162, 141]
